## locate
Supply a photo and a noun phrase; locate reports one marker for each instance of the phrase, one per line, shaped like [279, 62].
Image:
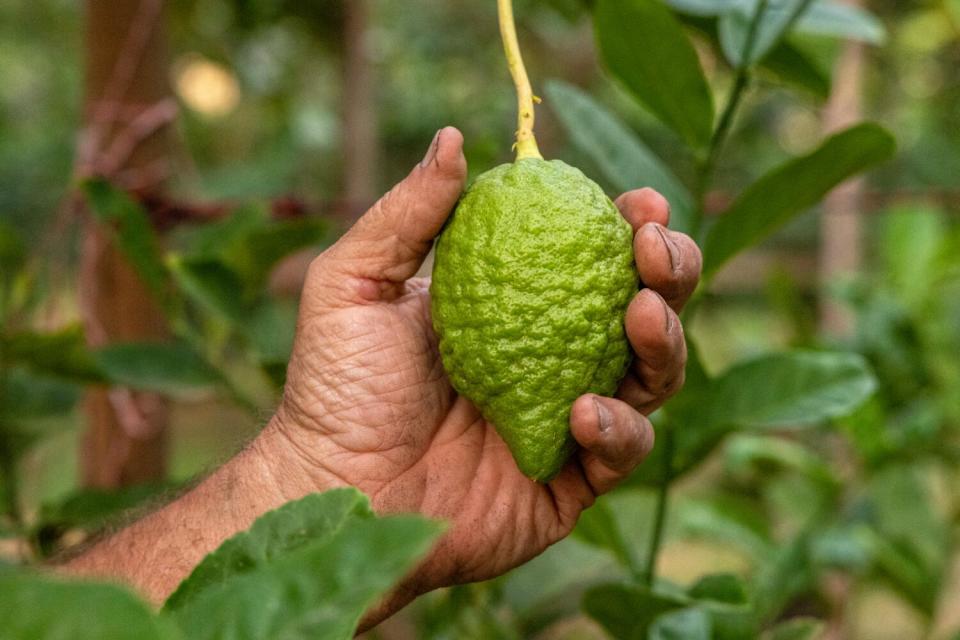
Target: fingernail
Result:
[673, 249]
[603, 416]
[432, 151]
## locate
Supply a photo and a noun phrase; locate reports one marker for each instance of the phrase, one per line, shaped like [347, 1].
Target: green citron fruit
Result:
[532, 278]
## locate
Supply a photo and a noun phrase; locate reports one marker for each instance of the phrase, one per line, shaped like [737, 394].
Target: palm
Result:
[438, 456]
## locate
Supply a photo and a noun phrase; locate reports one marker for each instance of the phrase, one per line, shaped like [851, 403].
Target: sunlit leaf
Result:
[133, 231]
[774, 21]
[692, 623]
[789, 389]
[315, 589]
[842, 20]
[644, 46]
[791, 189]
[628, 611]
[41, 607]
[310, 520]
[62, 354]
[172, 368]
[623, 159]
[796, 629]
[598, 526]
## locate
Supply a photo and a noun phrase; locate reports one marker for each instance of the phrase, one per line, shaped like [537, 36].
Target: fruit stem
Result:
[526, 144]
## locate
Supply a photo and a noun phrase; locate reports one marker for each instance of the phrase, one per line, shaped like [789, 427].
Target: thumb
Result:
[388, 243]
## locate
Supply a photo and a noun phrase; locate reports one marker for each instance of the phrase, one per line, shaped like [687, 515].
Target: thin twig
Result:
[660, 516]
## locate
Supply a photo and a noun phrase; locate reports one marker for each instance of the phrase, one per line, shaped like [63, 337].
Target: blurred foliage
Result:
[785, 485]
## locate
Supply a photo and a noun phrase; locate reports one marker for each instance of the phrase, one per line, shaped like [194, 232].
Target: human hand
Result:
[367, 402]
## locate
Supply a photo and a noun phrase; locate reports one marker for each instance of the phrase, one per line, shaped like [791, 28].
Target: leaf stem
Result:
[740, 84]
[660, 516]
[526, 144]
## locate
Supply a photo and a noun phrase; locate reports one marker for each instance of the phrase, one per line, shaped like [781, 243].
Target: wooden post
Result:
[125, 138]
[841, 226]
[361, 157]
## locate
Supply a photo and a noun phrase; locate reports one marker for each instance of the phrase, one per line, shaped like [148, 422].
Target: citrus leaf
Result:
[309, 520]
[598, 526]
[212, 285]
[644, 46]
[171, 368]
[842, 20]
[628, 611]
[623, 159]
[734, 28]
[692, 623]
[796, 629]
[789, 389]
[62, 354]
[40, 607]
[792, 66]
[117, 210]
[720, 587]
[791, 189]
[317, 591]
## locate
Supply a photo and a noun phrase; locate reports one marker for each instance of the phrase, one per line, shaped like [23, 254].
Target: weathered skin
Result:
[532, 279]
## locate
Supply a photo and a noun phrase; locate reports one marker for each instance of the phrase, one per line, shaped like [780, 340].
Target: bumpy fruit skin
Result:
[532, 278]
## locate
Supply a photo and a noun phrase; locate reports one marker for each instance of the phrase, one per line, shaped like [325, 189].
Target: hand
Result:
[367, 402]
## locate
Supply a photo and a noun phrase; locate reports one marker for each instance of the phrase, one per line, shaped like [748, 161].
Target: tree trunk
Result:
[125, 139]
[360, 136]
[841, 250]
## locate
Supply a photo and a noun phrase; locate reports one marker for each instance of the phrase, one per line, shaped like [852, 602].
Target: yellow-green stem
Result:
[526, 142]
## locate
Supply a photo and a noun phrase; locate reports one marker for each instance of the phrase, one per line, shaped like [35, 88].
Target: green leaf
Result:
[91, 508]
[598, 526]
[172, 368]
[841, 20]
[62, 354]
[28, 396]
[796, 629]
[820, 18]
[912, 544]
[787, 62]
[745, 453]
[792, 66]
[789, 389]
[914, 241]
[40, 607]
[784, 576]
[212, 285]
[625, 161]
[134, 233]
[311, 520]
[724, 520]
[791, 189]
[270, 329]
[318, 590]
[720, 587]
[627, 611]
[692, 623]
[13, 251]
[704, 7]
[644, 46]
[266, 246]
[776, 20]
[249, 244]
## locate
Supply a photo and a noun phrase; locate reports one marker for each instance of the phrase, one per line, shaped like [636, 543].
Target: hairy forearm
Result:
[155, 553]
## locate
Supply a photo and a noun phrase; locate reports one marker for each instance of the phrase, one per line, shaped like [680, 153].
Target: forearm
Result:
[157, 552]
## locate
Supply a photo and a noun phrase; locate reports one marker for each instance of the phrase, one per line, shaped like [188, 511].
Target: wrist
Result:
[285, 463]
